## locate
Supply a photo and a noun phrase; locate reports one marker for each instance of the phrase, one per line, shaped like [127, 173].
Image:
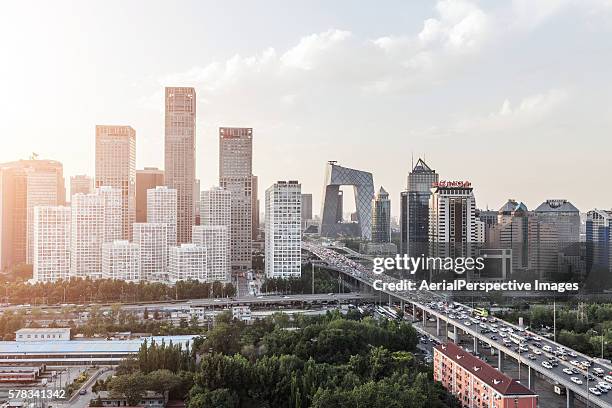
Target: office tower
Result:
[255, 207]
[511, 231]
[152, 239]
[25, 184]
[235, 175]
[453, 226]
[196, 202]
[95, 220]
[215, 238]
[381, 217]
[283, 231]
[489, 219]
[180, 127]
[116, 167]
[187, 262]
[306, 209]
[121, 261]
[161, 208]
[414, 209]
[215, 210]
[554, 233]
[599, 240]
[81, 184]
[331, 213]
[146, 179]
[51, 244]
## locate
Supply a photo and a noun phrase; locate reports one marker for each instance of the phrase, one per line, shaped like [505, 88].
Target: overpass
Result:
[429, 305]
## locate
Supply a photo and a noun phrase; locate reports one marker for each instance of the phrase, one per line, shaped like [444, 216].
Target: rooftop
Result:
[43, 330]
[483, 371]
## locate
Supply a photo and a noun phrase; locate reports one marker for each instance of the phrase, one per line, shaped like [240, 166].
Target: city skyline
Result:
[533, 100]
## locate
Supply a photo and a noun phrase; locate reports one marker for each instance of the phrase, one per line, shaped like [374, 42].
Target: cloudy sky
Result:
[515, 96]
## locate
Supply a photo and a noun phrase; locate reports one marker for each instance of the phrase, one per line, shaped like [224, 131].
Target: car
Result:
[574, 363]
[585, 363]
[563, 357]
[604, 385]
[602, 389]
[568, 371]
[608, 378]
[537, 352]
[531, 356]
[594, 391]
[82, 392]
[467, 323]
[493, 337]
[575, 370]
[493, 330]
[524, 348]
[573, 354]
[502, 334]
[547, 349]
[546, 364]
[576, 380]
[598, 370]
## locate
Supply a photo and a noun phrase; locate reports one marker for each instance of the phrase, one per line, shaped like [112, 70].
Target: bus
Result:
[481, 311]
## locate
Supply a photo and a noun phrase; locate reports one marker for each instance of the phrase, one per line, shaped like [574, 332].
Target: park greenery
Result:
[330, 360]
[325, 280]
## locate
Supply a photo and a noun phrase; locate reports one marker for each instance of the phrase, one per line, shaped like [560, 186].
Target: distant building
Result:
[187, 262]
[306, 209]
[25, 184]
[42, 334]
[149, 399]
[196, 202]
[475, 383]
[81, 184]
[414, 210]
[215, 238]
[162, 209]
[146, 179]
[599, 240]
[121, 261]
[381, 217]
[511, 231]
[236, 176]
[180, 157]
[283, 231]
[255, 206]
[51, 244]
[152, 239]
[116, 167]
[215, 210]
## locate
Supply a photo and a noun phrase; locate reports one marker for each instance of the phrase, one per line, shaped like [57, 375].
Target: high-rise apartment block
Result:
[24, 185]
[215, 238]
[146, 179]
[161, 209]
[235, 175]
[116, 167]
[180, 144]
[81, 184]
[283, 230]
[511, 231]
[255, 206]
[121, 261]
[152, 239]
[381, 217]
[306, 209]
[187, 262]
[51, 244]
[95, 220]
[414, 210]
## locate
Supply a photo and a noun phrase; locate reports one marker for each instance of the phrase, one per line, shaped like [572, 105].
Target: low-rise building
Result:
[150, 399]
[477, 384]
[43, 334]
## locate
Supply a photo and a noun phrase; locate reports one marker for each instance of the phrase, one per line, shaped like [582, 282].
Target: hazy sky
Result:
[515, 96]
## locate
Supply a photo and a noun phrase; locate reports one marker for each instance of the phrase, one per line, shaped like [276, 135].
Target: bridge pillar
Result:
[455, 334]
[530, 379]
[475, 345]
[424, 319]
[500, 360]
[389, 300]
[569, 394]
[438, 326]
[413, 312]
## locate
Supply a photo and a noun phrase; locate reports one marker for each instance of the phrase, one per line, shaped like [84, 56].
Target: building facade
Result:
[187, 262]
[116, 167]
[477, 384]
[599, 240]
[306, 209]
[235, 175]
[51, 244]
[414, 209]
[121, 261]
[283, 231]
[146, 179]
[381, 217]
[81, 184]
[152, 239]
[215, 238]
[511, 231]
[162, 209]
[180, 145]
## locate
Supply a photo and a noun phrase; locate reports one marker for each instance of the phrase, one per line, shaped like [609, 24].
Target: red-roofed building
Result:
[477, 384]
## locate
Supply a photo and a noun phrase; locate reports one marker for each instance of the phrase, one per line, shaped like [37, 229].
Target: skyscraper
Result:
[187, 262]
[512, 232]
[414, 210]
[152, 239]
[180, 128]
[283, 230]
[146, 179]
[215, 211]
[161, 208]
[381, 217]
[25, 184]
[81, 184]
[121, 261]
[95, 220]
[51, 244]
[306, 208]
[255, 206]
[116, 167]
[453, 226]
[215, 238]
[235, 175]
[599, 240]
